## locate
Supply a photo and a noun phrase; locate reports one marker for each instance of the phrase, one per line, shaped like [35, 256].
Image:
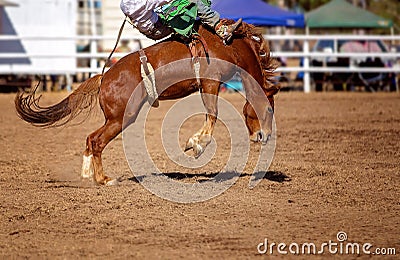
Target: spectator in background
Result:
[124, 46]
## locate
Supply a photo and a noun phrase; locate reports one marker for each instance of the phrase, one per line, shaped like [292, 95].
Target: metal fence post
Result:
[93, 43]
[306, 66]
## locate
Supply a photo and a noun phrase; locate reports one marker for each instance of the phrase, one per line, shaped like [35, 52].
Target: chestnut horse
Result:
[120, 89]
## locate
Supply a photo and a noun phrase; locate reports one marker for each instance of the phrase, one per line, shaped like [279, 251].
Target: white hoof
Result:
[87, 168]
[189, 144]
[112, 182]
[198, 150]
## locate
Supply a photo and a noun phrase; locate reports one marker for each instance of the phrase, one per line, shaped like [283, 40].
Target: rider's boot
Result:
[225, 32]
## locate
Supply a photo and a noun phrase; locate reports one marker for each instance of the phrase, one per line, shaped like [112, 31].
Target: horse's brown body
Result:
[120, 90]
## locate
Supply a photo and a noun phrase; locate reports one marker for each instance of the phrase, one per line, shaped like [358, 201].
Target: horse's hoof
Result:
[85, 175]
[198, 150]
[112, 182]
[189, 145]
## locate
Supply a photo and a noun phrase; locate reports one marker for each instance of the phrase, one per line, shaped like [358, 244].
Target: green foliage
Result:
[312, 4]
[389, 9]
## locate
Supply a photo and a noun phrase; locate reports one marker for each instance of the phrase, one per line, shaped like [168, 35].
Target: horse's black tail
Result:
[84, 98]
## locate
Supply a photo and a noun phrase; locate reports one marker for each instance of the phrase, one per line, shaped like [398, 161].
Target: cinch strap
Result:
[149, 80]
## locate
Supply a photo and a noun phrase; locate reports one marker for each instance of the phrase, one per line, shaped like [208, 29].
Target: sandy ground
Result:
[336, 168]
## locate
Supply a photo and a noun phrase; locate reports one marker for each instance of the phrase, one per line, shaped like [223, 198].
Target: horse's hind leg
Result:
[199, 141]
[95, 144]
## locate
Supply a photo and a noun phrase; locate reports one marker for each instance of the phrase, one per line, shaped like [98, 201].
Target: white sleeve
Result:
[153, 4]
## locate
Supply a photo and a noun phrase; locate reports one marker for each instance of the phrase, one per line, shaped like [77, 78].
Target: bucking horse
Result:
[121, 88]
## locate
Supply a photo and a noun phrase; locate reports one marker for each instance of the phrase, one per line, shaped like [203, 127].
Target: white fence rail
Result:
[305, 54]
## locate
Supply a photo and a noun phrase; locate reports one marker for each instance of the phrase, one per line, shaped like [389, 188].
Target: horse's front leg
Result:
[199, 141]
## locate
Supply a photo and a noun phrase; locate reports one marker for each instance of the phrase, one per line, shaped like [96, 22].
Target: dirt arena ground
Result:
[336, 168]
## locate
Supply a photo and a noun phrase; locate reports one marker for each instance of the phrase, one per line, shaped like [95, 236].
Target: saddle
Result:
[181, 16]
[197, 47]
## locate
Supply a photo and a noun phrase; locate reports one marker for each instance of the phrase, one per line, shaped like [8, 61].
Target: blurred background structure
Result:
[321, 44]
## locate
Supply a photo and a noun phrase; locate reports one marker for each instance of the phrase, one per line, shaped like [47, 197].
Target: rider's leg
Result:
[144, 18]
[206, 14]
[158, 31]
[212, 19]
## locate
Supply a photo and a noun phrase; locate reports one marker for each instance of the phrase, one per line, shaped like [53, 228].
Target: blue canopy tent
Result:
[258, 13]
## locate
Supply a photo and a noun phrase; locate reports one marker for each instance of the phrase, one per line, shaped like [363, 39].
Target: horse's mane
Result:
[268, 64]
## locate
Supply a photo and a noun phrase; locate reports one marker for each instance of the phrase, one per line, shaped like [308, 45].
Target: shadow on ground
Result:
[275, 176]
